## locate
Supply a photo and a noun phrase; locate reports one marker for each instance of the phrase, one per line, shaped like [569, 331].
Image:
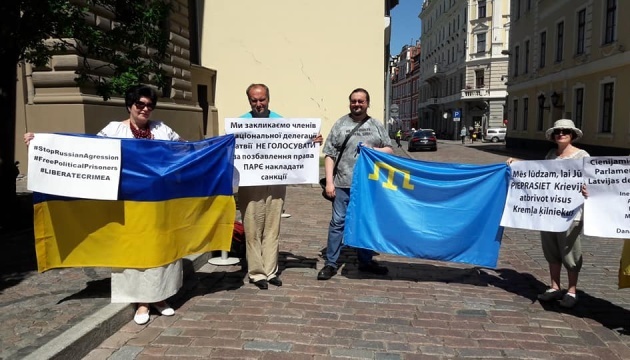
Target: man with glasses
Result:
[371, 133]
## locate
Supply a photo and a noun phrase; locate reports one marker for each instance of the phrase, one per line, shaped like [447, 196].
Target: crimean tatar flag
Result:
[175, 199]
[428, 210]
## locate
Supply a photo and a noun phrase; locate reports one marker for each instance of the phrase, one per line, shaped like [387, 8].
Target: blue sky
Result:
[405, 24]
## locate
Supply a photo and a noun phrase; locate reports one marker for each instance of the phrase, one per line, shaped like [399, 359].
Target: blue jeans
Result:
[335, 230]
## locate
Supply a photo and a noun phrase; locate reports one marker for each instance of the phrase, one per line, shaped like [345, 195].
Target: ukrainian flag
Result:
[175, 199]
[427, 210]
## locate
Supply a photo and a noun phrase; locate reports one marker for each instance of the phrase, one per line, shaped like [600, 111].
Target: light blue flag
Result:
[427, 210]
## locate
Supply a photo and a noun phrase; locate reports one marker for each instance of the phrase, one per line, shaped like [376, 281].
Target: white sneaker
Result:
[285, 215]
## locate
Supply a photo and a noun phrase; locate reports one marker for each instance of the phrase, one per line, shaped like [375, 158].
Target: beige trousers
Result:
[261, 210]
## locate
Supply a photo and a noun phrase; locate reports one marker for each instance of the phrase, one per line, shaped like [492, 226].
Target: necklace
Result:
[141, 133]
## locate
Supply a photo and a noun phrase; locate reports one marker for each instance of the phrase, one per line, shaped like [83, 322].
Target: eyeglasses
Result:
[141, 105]
[357, 102]
[562, 131]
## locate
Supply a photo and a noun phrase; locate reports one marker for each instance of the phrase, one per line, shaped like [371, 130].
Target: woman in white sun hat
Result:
[563, 248]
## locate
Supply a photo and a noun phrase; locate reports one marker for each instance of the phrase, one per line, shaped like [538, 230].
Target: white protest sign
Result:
[544, 195]
[607, 208]
[275, 151]
[74, 166]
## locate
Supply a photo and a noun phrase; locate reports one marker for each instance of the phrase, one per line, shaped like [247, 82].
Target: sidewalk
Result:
[422, 308]
[61, 313]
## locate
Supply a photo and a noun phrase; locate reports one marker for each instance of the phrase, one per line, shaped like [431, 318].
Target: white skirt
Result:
[148, 285]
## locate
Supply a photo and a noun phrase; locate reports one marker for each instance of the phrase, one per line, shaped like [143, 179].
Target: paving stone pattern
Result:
[421, 310]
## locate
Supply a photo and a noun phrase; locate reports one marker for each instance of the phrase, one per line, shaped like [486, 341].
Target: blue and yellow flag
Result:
[428, 210]
[175, 199]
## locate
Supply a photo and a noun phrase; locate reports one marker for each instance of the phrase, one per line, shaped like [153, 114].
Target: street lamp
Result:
[555, 99]
[541, 102]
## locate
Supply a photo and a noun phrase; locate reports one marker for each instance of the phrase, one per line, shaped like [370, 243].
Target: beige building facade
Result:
[570, 60]
[311, 54]
[49, 100]
[463, 64]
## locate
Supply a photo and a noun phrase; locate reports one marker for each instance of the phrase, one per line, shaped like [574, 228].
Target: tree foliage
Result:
[121, 43]
[131, 48]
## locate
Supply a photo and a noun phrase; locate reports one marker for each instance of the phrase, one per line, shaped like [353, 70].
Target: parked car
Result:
[422, 139]
[495, 134]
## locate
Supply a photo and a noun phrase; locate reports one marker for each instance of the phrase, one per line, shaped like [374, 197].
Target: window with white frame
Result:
[578, 110]
[525, 112]
[543, 49]
[515, 114]
[610, 22]
[581, 30]
[559, 41]
[481, 9]
[479, 78]
[541, 112]
[517, 55]
[481, 43]
[608, 92]
[526, 67]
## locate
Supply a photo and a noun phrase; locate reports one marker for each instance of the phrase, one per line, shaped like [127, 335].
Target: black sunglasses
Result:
[141, 105]
[562, 131]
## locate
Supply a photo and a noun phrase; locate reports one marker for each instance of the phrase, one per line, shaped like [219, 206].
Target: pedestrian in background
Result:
[398, 136]
[145, 287]
[262, 207]
[462, 134]
[371, 134]
[563, 248]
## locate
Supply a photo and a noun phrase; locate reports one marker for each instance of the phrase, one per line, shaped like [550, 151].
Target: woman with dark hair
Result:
[563, 248]
[145, 287]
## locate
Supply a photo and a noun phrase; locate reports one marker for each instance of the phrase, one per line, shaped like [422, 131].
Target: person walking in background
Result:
[563, 248]
[145, 287]
[398, 136]
[462, 134]
[371, 134]
[262, 207]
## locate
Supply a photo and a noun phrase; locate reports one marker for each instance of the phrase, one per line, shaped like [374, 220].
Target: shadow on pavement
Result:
[289, 260]
[602, 311]
[93, 289]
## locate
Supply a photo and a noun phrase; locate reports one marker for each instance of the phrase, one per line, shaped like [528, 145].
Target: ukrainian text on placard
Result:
[275, 151]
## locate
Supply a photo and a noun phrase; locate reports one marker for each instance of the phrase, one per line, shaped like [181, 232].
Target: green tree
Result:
[127, 51]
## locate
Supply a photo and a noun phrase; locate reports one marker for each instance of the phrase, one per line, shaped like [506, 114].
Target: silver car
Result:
[495, 134]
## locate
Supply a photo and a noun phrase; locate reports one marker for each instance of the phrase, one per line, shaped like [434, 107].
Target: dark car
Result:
[422, 139]
[406, 135]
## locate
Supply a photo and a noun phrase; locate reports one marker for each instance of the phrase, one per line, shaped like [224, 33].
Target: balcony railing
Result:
[475, 93]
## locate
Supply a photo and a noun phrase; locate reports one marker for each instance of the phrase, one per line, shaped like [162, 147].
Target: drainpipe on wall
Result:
[30, 88]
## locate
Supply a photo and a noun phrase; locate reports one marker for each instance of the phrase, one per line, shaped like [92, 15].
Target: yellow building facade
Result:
[569, 59]
[311, 54]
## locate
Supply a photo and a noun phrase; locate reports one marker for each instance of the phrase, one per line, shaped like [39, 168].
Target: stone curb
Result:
[83, 337]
